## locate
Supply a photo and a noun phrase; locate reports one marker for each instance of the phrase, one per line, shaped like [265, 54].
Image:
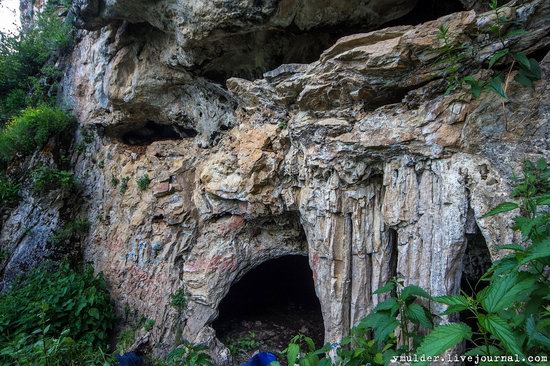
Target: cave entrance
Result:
[268, 306]
[476, 261]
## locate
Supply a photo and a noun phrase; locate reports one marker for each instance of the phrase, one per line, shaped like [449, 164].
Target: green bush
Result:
[31, 130]
[179, 299]
[25, 79]
[46, 179]
[243, 344]
[9, 192]
[72, 230]
[187, 354]
[143, 182]
[123, 184]
[60, 317]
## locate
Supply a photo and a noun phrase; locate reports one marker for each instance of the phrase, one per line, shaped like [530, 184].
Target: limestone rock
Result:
[359, 160]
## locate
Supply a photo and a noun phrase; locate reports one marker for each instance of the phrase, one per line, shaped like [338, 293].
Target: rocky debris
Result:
[359, 160]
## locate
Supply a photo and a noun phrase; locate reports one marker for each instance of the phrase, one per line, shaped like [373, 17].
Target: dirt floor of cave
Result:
[273, 330]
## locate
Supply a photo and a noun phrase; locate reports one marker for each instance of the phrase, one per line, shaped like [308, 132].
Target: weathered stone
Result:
[359, 160]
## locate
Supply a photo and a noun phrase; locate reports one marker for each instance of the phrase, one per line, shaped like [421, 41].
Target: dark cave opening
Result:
[476, 261]
[274, 301]
[250, 55]
[148, 132]
[426, 10]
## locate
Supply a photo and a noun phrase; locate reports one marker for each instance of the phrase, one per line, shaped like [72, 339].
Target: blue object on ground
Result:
[261, 359]
[130, 359]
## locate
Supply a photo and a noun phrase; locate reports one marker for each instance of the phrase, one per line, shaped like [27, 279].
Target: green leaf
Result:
[497, 56]
[505, 291]
[389, 304]
[292, 353]
[522, 59]
[386, 288]
[535, 69]
[452, 300]
[497, 85]
[503, 207]
[413, 290]
[501, 331]
[443, 338]
[533, 333]
[475, 85]
[514, 247]
[93, 312]
[485, 350]
[538, 251]
[516, 33]
[523, 80]
[543, 200]
[382, 332]
[418, 314]
[457, 303]
[525, 225]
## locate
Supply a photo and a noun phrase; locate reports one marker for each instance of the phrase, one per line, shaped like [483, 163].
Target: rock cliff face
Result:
[358, 158]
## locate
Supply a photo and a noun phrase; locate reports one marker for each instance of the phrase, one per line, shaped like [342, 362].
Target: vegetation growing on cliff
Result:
[56, 317]
[28, 80]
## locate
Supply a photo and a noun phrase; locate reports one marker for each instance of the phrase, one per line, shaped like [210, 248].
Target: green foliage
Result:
[455, 60]
[179, 299]
[401, 312]
[59, 317]
[31, 130]
[149, 325]
[26, 78]
[243, 344]
[143, 182]
[302, 351]
[46, 179]
[444, 337]
[125, 339]
[452, 58]
[124, 184]
[9, 192]
[71, 231]
[187, 354]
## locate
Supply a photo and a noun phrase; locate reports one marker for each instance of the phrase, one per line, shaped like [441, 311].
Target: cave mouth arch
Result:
[276, 301]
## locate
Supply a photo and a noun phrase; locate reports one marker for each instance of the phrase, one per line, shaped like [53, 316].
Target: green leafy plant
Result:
[149, 325]
[528, 69]
[302, 351]
[124, 184]
[27, 78]
[54, 314]
[9, 192]
[46, 179]
[402, 312]
[242, 344]
[71, 231]
[30, 130]
[143, 182]
[179, 299]
[455, 58]
[452, 57]
[187, 354]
